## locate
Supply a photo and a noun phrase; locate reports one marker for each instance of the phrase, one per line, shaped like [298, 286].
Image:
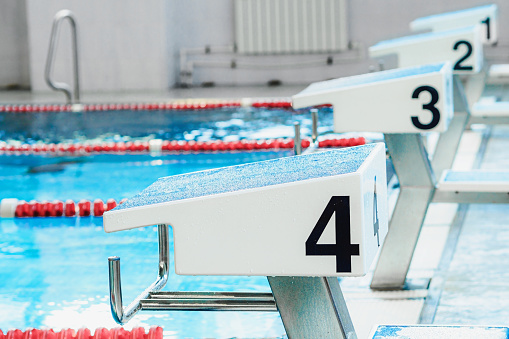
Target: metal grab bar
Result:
[61, 86]
[120, 315]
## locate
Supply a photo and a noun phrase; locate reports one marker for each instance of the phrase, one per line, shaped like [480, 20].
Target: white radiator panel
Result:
[290, 26]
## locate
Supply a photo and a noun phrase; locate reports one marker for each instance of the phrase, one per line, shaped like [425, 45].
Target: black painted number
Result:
[458, 66]
[487, 23]
[430, 106]
[342, 249]
[376, 225]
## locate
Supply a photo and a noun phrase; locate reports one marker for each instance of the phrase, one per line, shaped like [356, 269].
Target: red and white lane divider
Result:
[14, 208]
[85, 333]
[173, 106]
[158, 145]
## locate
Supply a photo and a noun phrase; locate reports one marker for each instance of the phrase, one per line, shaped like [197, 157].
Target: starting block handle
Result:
[120, 314]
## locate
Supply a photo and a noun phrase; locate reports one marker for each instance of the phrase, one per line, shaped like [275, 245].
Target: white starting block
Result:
[295, 220]
[498, 74]
[418, 186]
[486, 16]
[416, 50]
[462, 47]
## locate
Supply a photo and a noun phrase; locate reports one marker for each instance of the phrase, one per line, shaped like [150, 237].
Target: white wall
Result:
[14, 69]
[134, 45]
[123, 44]
[370, 21]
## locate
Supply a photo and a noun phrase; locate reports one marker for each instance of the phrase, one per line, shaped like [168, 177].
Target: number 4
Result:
[342, 249]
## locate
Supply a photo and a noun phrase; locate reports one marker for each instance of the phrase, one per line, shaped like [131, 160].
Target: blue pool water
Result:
[53, 271]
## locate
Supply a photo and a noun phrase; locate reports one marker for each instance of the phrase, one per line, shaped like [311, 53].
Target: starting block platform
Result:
[411, 50]
[256, 219]
[426, 332]
[417, 175]
[498, 74]
[462, 47]
[486, 16]
[301, 221]
[496, 112]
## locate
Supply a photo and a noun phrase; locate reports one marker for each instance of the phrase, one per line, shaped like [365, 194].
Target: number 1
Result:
[487, 23]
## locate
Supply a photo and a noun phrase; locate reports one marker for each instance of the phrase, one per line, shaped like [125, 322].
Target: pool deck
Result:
[458, 272]
[219, 92]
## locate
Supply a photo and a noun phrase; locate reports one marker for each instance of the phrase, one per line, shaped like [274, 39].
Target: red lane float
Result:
[85, 333]
[173, 106]
[157, 145]
[84, 208]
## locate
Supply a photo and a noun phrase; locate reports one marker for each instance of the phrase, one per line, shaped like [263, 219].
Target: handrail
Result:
[61, 86]
[120, 314]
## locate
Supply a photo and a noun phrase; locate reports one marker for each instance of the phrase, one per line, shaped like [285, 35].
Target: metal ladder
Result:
[74, 96]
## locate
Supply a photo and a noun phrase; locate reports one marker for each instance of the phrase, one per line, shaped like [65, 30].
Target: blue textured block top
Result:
[451, 15]
[480, 176]
[417, 38]
[364, 79]
[252, 175]
[443, 332]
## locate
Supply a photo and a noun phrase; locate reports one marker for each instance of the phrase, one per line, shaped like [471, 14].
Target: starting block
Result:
[467, 66]
[414, 50]
[296, 220]
[486, 16]
[462, 47]
[416, 174]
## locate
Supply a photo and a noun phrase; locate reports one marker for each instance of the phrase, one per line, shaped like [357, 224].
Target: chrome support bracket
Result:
[309, 306]
[120, 314]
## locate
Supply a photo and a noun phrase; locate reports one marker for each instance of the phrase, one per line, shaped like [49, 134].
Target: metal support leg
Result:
[449, 141]
[312, 307]
[404, 229]
[417, 185]
[474, 86]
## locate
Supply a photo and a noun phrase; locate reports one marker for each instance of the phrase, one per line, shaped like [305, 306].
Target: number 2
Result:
[343, 249]
[458, 66]
[430, 106]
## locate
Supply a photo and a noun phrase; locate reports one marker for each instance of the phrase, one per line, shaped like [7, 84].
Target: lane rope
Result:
[165, 146]
[14, 208]
[195, 104]
[85, 333]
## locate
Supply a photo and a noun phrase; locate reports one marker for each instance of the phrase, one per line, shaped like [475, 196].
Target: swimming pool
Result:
[53, 271]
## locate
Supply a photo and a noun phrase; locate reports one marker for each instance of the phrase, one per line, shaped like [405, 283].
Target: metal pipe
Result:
[314, 129]
[120, 314]
[221, 304]
[297, 142]
[60, 86]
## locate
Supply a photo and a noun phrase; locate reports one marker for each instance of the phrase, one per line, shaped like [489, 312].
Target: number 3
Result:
[429, 106]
